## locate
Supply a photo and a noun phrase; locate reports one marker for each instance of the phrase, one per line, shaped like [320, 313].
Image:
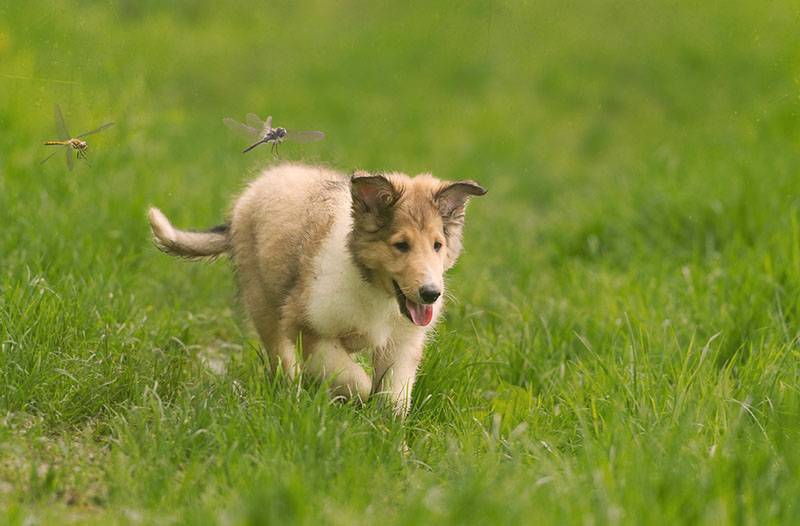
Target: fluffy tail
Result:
[208, 244]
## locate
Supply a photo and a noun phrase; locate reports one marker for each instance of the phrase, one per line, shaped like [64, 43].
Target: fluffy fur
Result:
[343, 264]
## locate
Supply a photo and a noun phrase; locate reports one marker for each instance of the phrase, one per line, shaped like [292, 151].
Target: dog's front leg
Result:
[395, 369]
[327, 360]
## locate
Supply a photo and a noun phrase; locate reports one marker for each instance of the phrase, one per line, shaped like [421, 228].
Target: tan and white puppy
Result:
[341, 264]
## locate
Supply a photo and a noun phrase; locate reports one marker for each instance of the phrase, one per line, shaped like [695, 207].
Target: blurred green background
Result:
[623, 347]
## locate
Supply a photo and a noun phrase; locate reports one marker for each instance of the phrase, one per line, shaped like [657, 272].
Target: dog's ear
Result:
[451, 199]
[374, 197]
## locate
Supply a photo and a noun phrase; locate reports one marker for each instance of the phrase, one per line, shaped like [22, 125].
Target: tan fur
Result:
[187, 244]
[316, 259]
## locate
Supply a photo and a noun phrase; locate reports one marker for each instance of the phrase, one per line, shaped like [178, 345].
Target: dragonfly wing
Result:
[61, 126]
[101, 128]
[48, 157]
[254, 121]
[305, 136]
[240, 128]
[70, 162]
[268, 124]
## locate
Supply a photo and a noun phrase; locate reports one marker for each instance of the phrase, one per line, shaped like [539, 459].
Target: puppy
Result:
[340, 264]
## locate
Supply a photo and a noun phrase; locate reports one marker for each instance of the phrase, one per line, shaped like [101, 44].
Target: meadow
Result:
[622, 347]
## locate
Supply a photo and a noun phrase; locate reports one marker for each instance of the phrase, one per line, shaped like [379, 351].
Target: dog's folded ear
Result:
[452, 198]
[374, 196]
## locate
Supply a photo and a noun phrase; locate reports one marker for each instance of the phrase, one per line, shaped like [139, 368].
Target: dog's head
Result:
[407, 233]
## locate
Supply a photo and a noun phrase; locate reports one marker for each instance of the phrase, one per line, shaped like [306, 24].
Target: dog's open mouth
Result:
[419, 314]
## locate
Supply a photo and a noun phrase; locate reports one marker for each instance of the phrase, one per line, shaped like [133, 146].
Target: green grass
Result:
[624, 347]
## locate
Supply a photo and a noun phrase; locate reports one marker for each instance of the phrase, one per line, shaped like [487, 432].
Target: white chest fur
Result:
[340, 301]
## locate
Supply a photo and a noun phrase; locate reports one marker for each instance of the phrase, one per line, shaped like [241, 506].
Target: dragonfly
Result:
[69, 142]
[264, 133]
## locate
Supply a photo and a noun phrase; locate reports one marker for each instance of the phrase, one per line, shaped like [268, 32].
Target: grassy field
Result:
[624, 343]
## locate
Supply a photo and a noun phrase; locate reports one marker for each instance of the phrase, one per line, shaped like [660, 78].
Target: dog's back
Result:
[279, 222]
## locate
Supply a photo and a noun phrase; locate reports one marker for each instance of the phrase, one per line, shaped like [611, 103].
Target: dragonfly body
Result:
[273, 136]
[266, 134]
[76, 144]
[68, 141]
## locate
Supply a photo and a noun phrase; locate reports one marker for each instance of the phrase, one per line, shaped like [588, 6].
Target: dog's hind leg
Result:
[327, 360]
[280, 348]
[279, 345]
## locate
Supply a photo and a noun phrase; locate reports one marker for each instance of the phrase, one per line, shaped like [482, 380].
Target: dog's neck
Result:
[356, 241]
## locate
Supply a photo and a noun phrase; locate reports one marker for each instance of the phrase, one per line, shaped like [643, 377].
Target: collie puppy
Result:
[333, 265]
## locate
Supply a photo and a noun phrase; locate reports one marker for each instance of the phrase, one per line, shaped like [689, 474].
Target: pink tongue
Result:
[420, 314]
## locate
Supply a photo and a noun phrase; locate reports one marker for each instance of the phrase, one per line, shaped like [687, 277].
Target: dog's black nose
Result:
[429, 293]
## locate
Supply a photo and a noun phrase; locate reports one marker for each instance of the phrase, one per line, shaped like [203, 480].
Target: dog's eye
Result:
[402, 246]
[437, 246]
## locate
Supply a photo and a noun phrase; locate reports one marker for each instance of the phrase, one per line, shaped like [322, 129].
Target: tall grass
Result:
[622, 344]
